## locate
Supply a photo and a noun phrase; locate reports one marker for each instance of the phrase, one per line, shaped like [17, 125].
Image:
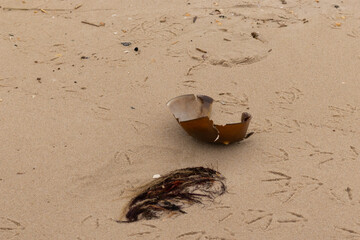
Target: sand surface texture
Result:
[83, 118]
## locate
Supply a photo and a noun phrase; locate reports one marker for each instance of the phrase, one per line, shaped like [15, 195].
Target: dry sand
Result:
[77, 135]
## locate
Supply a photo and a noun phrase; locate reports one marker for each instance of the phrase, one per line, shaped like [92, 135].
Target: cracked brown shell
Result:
[193, 113]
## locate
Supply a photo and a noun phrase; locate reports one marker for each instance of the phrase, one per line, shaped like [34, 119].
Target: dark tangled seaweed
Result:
[174, 191]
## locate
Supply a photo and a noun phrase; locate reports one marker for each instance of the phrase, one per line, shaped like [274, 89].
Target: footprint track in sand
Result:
[286, 187]
[265, 220]
[286, 98]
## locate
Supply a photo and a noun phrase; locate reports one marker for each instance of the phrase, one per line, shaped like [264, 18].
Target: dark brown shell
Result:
[193, 113]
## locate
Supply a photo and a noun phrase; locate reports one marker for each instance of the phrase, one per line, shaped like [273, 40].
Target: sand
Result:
[83, 119]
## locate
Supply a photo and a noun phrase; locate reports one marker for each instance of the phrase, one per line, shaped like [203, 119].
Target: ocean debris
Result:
[193, 114]
[156, 176]
[77, 6]
[255, 35]
[171, 193]
[201, 50]
[37, 9]
[101, 24]
[126, 44]
[215, 12]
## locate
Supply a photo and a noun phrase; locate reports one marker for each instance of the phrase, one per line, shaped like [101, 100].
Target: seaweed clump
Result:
[174, 191]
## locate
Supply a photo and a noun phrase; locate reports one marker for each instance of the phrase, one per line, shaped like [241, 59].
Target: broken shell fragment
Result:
[193, 113]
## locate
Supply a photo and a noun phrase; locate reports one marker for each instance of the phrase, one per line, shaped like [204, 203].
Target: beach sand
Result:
[83, 118]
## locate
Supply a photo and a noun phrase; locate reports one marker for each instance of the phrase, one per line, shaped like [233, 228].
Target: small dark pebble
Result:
[35, 61]
[15, 45]
[75, 81]
[126, 44]
[58, 68]
[132, 107]
[38, 78]
[336, 6]
[222, 16]
[254, 34]
[83, 57]
[136, 49]
[215, 12]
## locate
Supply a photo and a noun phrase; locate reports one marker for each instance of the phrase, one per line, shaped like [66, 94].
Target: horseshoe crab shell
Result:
[193, 114]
